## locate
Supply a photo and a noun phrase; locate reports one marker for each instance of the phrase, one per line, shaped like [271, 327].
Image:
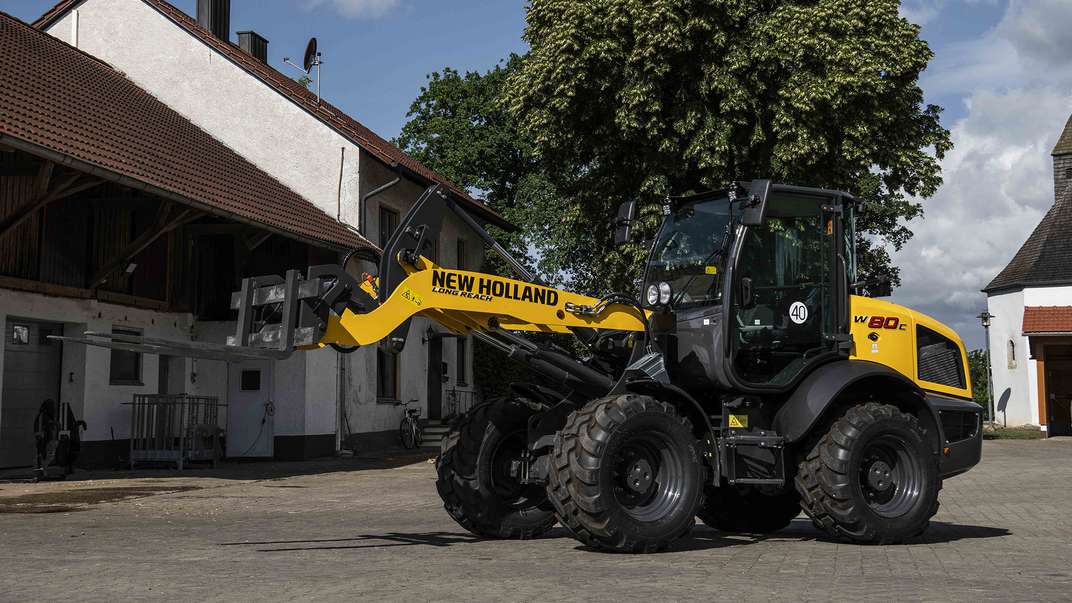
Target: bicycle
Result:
[409, 430]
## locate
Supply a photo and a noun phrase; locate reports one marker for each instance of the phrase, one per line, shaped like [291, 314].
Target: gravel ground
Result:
[374, 529]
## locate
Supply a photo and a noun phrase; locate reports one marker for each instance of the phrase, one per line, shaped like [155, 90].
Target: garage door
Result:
[31, 375]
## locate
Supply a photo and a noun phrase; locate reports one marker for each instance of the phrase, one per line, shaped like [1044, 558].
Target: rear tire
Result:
[405, 434]
[748, 510]
[474, 479]
[626, 474]
[872, 478]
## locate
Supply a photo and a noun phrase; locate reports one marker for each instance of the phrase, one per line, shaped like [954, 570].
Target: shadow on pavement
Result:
[801, 530]
[363, 541]
[247, 469]
[701, 538]
[941, 531]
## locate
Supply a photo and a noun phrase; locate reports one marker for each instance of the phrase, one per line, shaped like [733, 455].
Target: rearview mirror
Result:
[627, 213]
[878, 286]
[756, 204]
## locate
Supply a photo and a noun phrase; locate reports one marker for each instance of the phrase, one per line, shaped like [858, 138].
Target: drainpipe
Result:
[338, 194]
[362, 226]
[340, 410]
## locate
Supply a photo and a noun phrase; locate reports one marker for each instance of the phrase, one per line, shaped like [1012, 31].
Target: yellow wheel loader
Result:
[748, 382]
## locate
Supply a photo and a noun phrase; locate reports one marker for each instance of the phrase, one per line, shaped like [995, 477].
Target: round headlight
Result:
[664, 293]
[652, 294]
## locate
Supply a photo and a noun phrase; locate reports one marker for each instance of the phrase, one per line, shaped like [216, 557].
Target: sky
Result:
[1001, 72]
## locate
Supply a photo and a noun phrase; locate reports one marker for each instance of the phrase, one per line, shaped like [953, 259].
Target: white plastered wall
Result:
[85, 370]
[1013, 377]
[222, 98]
[1016, 380]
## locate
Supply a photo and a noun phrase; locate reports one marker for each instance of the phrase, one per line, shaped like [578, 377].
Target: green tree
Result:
[980, 379]
[645, 98]
[458, 127]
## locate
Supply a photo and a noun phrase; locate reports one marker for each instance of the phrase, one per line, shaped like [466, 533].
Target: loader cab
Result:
[750, 290]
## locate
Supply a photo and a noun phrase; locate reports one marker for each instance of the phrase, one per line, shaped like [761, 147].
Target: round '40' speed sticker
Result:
[798, 313]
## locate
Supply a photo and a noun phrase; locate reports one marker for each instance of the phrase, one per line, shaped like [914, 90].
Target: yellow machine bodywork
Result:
[886, 333]
[464, 301]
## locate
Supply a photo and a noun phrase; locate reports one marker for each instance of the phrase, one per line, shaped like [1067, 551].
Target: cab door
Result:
[787, 297]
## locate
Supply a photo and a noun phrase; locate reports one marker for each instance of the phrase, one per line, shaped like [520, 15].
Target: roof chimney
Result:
[215, 16]
[253, 43]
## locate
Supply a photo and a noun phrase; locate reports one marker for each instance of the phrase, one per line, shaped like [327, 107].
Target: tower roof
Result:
[1064, 143]
[1045, 259]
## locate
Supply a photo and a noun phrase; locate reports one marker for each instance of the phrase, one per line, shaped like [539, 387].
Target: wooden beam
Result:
[1043, 405]
[164, 224]
[44, 176]
[217, 229]
[255, 239]
[70, 185]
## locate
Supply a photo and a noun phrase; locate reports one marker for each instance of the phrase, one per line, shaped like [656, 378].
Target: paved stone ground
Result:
[374, 529]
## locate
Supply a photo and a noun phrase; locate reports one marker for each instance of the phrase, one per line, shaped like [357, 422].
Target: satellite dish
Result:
[310, 54]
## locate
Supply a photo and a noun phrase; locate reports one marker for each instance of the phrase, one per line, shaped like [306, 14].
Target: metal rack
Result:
[174, 428]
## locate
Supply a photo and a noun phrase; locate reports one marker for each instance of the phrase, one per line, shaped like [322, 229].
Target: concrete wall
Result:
[1015, 374]
[223, 99]
[1012, 377]
[304, 385]
[85, 370]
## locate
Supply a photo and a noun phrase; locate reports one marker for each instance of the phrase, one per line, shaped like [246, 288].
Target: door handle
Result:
[746, 292]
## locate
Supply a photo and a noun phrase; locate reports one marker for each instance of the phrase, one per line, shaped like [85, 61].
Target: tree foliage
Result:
[646, 98]
[458, 127]
[980, 380]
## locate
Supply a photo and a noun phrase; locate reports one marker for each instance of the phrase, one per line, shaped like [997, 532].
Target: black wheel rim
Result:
[506, 459]
[891, 476]
[649, 475]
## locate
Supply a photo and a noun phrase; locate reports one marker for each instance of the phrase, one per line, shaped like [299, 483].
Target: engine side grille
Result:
[940, 359]
[939, 364]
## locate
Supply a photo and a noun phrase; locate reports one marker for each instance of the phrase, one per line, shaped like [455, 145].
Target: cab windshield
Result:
[689, 250]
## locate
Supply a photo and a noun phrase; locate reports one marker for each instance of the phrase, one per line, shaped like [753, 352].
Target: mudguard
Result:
[825, 385]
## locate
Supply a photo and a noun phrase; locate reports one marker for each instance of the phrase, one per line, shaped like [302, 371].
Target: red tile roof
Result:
[58, 101]
[1048, 319]
[299, 94]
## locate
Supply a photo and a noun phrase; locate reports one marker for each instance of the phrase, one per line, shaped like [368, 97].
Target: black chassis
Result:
[781, 421]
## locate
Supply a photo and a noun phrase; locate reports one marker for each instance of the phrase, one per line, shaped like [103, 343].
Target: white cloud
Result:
[357, 9]
[1040, 31]
[998, 181]
[920, 12]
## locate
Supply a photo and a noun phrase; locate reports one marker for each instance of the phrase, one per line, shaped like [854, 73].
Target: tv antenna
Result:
[311, 59]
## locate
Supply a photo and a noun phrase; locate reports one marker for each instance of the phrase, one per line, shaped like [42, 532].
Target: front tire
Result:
[626, 474]
[477, 478]
[872, 478]
[747, 509]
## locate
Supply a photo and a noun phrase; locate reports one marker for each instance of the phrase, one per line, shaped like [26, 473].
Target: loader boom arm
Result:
[464, 301]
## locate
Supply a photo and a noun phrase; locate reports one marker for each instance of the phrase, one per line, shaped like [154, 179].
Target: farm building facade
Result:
[134, 205]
